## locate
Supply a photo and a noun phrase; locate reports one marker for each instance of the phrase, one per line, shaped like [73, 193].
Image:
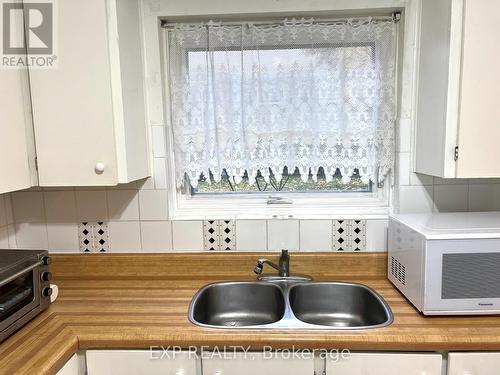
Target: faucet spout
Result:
[283, 266]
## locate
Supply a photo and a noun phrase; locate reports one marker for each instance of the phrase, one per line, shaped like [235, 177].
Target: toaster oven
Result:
[447, 263]
[24, 288]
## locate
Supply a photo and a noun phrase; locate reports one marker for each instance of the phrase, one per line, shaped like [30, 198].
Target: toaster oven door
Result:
[462, 277]
[19, 294]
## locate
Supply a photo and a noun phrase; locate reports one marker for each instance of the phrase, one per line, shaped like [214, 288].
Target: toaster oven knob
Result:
[46, 276]
[46, 260]
[47, 292]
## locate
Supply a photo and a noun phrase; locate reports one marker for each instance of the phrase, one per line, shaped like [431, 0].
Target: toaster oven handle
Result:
[22, 272]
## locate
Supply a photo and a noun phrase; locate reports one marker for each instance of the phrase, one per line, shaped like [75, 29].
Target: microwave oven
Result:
[446, 263]
[24, 288]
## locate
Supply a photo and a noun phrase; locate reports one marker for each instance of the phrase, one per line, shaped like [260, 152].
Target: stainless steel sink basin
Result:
[339, 305]
[238, 304]
[287, 303]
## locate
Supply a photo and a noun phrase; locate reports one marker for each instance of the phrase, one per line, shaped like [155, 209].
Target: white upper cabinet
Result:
[16, 134]
[89, 111]
[458, 115]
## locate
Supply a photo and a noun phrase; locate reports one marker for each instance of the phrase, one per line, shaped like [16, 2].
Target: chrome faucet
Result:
[283, 266]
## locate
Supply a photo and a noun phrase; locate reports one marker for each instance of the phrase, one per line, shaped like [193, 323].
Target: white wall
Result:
[137, 214]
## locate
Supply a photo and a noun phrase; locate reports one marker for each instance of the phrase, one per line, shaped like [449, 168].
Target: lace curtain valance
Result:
[299, 94]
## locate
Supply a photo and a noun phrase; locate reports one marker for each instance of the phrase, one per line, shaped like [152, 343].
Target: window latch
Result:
[278, 200]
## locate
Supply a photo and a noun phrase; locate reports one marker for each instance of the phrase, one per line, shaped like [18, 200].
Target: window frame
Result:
[315, 205]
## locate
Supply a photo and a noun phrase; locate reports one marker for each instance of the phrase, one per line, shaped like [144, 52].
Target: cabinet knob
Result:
[99, 168]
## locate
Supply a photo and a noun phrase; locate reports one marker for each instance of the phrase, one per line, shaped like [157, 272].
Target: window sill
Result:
[289, 212]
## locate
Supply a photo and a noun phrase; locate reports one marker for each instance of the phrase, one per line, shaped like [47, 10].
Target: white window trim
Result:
[335, 205]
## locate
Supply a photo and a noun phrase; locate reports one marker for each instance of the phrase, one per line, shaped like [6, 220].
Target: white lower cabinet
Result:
[141, 362]
[385, 364]
[255, 363]
[156, 362]
[474, 363]
[75, 365]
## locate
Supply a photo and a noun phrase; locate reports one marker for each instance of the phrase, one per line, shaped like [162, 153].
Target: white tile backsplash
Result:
[146, 184]
[124, 236]
[416, 199]
[4, 238]
[153, 205]
[316, 235]
[251, 235]
[450, 198]
[156, 235]
[9, 213]
[62, 237]
[283, 234]
[450, 181]
[28, 207]
[31, 236]
[418, 179]
[404, 135]
[484, 197]
[11, 231]
[403, 168]
[376, 235]
[123, 205]
[3, 212]
[158, 141]
[91, 205]
[60, 206]
[160, 177]
[187, 235]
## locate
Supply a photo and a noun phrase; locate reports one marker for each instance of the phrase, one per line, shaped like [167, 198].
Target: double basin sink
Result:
[285, 304]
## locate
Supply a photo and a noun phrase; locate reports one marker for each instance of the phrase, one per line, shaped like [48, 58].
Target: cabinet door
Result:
[75, 365]
[254, 363]
[15, 128]
[72, 102]
[140, 362]
[385, 364]
[473, 363]
[479, 129]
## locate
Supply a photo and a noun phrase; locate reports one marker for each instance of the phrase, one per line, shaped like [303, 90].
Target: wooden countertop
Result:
[138, 301]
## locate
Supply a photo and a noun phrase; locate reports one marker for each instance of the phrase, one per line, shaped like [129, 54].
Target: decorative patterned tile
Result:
[211, 234]
[340, 235]
[101, 237]
[93, 237]
[86, 237]
[227, 237]
[219, 234]
[357, 235]
[349, 235]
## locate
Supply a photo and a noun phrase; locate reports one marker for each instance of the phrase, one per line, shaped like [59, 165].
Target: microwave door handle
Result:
[22, 272]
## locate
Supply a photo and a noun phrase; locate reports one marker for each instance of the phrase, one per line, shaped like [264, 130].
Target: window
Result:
[302, 109]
